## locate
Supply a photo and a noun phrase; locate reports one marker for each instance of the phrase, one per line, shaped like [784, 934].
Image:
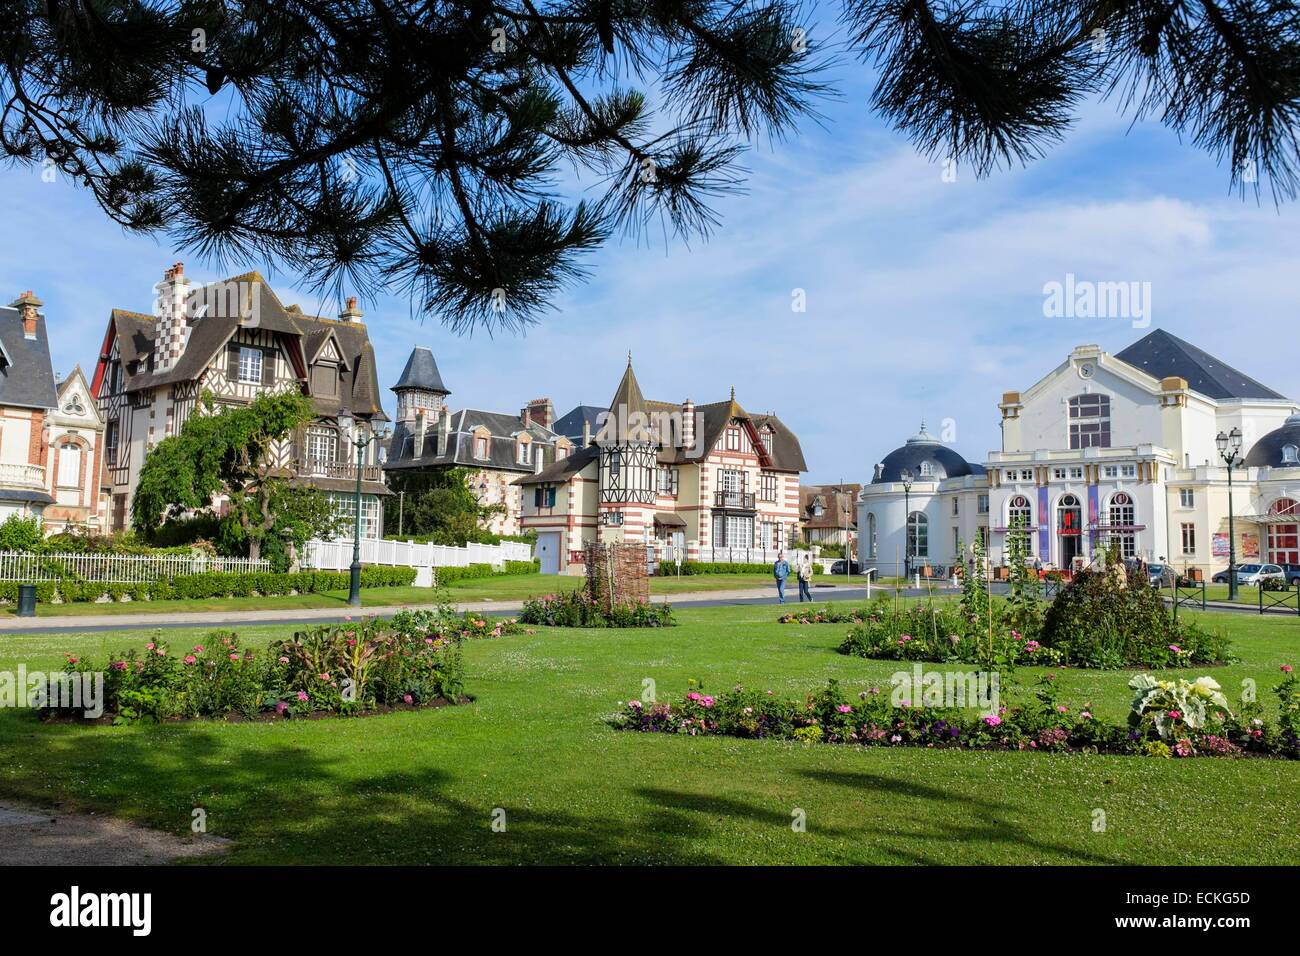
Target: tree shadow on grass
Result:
[284, 802]
[995, 830]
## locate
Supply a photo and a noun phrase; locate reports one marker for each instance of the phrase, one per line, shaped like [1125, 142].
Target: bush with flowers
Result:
[1043, 722]
[444, 620]
[578, 609]
[348, 669]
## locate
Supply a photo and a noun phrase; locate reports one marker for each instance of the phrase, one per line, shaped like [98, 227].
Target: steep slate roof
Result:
[564, 469]
[209, 334]
[570, 424]
[503, 429]
[421, 372]
[26, 376]
[1160, 355]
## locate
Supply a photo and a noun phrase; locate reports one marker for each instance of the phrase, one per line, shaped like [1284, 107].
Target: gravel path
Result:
[33, 837]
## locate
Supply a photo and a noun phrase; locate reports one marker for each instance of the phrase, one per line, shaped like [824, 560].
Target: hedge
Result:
[212, 584]
[445, 576]
[724, 567]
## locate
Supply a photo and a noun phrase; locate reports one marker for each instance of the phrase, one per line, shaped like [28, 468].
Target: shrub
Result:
[724, 567]
[18, 533]
[470, 572]
[444, 620]
[576, 609]
[1175, 708]
[942, 633]
[1113, 618]
[334, 670]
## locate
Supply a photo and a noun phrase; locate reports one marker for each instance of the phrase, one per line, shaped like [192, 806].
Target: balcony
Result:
[22, 476]
[734, 500]
[313, 468]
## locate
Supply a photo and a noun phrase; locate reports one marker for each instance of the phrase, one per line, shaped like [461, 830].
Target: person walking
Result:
[780, 571]
[805, 578]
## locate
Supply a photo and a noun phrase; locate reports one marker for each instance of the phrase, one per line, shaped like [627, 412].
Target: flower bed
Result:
[351, 669]
[576, 609]
[443, 621]
[1168, 719]
[829, 614]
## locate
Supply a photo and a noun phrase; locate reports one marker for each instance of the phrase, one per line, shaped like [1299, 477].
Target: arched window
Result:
[69, 465]
[871, 534]
[927, 469]
[1290, 454]
[918, 535]
[1284, 537]
[1019, 514]
[1090, 421]
[1123, 519]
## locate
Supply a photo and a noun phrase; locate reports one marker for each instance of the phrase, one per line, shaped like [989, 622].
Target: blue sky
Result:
[924, 297]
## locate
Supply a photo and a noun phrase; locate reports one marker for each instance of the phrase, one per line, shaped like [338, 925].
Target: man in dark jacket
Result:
[780, 571]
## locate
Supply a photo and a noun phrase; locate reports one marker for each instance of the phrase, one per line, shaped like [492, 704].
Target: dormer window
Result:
[525, 451]
[325, 379]
[250, 365]
[767, 440]
[927, 469]
[1290, 454]
[481, 447]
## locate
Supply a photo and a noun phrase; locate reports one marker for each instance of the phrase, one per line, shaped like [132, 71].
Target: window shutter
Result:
[232, 363]
[268, 367]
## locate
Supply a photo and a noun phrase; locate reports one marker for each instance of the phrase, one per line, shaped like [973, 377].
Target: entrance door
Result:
[1069, 527]
[548, 551]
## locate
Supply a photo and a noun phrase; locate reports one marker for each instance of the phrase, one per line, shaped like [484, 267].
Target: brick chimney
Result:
[542, 411]
[351, 313]
[688, 424]
[421, 426]
[526, 413]
[444, 430]
[28, 307]
[171, 324]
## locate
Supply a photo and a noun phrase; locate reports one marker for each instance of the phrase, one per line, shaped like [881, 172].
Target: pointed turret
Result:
[420, 387]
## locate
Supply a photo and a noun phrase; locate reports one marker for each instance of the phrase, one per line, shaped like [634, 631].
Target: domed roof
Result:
[920, 454]
[1270, 451]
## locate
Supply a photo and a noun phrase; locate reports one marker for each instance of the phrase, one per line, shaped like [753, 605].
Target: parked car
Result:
[1292, 572]
[1221, 577]
[1258, 573]
[1160, 575]
[838, 567]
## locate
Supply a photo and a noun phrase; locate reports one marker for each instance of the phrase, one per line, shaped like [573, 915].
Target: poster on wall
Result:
[1248, 546]
[1219, 545]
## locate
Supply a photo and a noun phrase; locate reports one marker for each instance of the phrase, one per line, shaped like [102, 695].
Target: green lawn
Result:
[422, 787]
[511, 587]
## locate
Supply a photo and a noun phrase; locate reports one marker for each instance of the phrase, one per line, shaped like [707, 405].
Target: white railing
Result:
[21, 475]
[337, 555]
[116, 568]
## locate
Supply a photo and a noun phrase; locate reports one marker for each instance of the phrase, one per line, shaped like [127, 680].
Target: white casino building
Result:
[1103, 448]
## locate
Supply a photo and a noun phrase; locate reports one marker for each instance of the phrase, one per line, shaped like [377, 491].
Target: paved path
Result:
[331, 615]
[34, 837]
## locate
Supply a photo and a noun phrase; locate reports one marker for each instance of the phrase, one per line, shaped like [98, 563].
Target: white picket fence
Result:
[116, 568]
[337, 555]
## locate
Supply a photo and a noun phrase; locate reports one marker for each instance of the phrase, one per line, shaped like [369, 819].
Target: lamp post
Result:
[359, 442]
[907, 478]
[1229, 446]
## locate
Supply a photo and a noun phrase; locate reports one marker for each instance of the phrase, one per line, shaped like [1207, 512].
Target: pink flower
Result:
[844, 709]
[895, 739]
[234, 657]
[408, 699]
[325, 677]
[160, 652]
[1175, 714]
[634, 704]
[198, 648]
[1175, 648]
[302, 695]
[1063, 710]
[1286, 668]
[281, 707]
[692, 696]
[1086, 715]
[1015, 635]
[992, 720]
[119, 665]
[428, 640]
[150, 646]
[284, 660]
[190, 658]
[1032, 646]
[706, 701]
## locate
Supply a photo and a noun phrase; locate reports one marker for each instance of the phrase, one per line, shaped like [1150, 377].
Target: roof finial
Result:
[733, 393]
[629, 358]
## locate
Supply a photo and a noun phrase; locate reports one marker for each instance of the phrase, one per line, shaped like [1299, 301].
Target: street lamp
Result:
[1229, 445]
[359, 442]
[907, 478]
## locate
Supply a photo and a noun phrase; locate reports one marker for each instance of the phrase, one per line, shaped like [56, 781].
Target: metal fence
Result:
[116, 568]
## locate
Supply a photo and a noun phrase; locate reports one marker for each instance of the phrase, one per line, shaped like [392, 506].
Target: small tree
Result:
[439, 505]
[228, 453]
[1025, 613]
[974, 597]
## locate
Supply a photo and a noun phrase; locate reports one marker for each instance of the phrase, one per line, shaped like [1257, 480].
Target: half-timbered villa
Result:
[234, 340]
[706, 482]
[494, 447]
